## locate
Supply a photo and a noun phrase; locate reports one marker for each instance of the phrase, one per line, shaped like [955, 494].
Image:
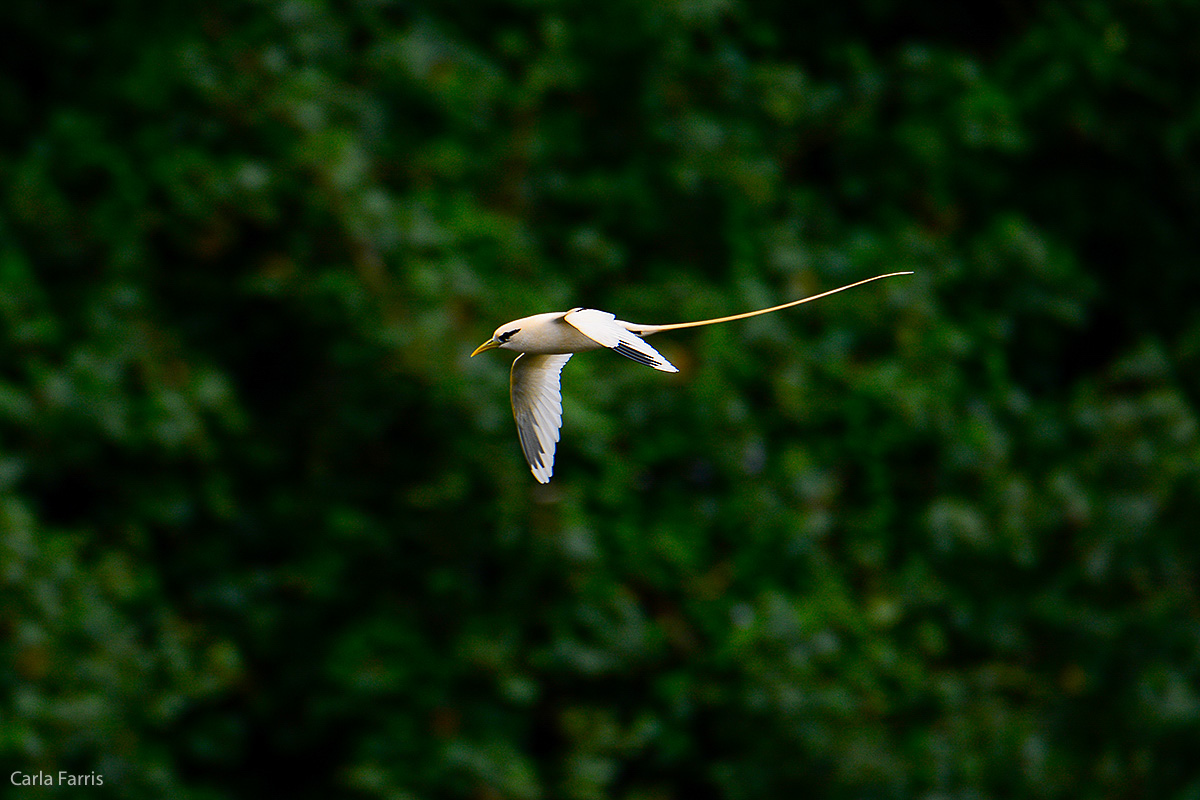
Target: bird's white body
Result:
[547, 341]
[547, 333]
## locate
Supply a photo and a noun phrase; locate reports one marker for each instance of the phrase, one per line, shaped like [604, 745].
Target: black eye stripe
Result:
[504, 337]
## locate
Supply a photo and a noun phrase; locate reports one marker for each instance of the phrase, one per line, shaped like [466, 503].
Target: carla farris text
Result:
[63, 778]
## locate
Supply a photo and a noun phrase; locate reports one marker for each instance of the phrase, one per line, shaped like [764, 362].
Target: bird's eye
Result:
[504, 337]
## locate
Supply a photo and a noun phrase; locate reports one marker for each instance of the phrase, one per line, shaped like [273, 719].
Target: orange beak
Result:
[490, 344]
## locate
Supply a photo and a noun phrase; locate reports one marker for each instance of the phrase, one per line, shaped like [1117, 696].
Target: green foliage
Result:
[266, 530]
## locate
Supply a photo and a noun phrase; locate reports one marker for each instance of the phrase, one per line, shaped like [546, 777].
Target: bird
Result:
[546, 343]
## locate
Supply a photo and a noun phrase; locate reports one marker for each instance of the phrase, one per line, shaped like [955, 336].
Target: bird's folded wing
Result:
[537, 406]
[604, 329]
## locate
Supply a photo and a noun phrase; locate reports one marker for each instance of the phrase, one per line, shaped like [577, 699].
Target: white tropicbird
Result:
[546, 343]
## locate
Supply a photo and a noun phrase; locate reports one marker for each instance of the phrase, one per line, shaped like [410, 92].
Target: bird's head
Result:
[524, 335]
[502, 338]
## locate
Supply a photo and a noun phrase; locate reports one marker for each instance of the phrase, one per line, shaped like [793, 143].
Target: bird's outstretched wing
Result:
[537, 406]
[603, 328]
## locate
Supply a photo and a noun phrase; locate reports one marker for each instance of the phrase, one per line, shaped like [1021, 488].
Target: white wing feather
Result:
[604, 329]
[537, 407]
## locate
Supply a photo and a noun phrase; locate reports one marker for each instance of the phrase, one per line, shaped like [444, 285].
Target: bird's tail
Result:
[646, 330]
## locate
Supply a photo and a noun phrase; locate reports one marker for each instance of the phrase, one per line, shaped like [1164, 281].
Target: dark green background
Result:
[266, 531]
